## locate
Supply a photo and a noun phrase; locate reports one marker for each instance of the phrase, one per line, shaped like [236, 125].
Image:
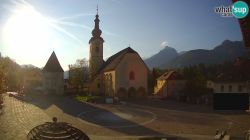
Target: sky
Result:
[30, 30]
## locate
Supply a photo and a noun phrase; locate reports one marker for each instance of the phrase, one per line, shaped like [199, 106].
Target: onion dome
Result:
[96, 32]
[56, 131]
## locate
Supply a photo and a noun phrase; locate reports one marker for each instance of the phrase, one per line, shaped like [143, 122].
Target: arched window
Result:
[96, 49]
[131, 75]
[110, 77]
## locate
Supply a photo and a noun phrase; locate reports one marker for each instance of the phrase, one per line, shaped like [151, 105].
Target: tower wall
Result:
[96, 49]
[96, 56]
[53, 83]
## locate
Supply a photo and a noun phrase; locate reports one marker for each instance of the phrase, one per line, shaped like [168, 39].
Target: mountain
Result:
[164, 56]
[28, 66]
[182, 52]
[227, 51]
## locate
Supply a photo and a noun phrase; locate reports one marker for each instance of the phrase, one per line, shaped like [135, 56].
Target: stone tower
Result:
[96, 49]
[53, 81]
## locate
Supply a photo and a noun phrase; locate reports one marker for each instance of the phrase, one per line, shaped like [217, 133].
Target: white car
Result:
[12, 94]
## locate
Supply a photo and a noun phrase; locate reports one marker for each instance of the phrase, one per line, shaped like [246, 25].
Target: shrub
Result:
[82, 98]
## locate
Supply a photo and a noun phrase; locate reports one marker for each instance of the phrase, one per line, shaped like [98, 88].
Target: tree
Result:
[78, 73]
[156, 73]
[14, 76]
[30, 77]
[11, 71]
[2, 81]
[196, 81]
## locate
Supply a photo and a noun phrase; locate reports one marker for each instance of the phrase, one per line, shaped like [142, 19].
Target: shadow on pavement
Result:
[74, 108]
[180, 106]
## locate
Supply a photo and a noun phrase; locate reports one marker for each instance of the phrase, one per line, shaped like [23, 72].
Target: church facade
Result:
[122, 75]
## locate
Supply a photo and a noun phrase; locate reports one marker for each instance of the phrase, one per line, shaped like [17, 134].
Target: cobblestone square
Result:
[132, 121]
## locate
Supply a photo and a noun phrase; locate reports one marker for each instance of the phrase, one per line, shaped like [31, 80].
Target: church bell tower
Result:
[96, 48]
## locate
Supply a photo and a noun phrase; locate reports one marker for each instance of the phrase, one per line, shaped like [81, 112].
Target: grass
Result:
[82, 98]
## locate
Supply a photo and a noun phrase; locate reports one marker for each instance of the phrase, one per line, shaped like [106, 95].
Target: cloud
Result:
[19, 6]
[164, 44]
[65, 32]
[72, 24]
[74, 16]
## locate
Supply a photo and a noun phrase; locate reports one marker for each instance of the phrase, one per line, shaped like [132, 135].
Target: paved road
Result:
[193, 119]
[131, 121]
[18, 118]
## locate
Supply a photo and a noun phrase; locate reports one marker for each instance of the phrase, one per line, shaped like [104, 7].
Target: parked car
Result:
[11, 94]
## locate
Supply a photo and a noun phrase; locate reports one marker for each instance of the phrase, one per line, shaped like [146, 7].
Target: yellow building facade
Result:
[170, 84]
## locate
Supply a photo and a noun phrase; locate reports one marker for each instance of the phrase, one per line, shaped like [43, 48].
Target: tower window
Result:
[131, 75]
[96, 49]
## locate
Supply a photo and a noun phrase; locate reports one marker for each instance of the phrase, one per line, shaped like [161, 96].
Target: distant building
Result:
[31, 82]
[123, 75]
[170, 84]
[231, 87]
[53, 76]
[224, 86]
[235, 80]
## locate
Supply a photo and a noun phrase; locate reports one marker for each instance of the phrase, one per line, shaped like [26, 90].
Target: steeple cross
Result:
[97, 9]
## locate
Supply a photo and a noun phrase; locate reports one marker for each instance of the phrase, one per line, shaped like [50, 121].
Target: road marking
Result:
[154, 117]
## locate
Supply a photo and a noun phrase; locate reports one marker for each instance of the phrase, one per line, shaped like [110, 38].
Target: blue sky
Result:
[147, 25]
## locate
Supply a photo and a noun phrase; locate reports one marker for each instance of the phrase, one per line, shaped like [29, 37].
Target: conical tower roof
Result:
[53, 64]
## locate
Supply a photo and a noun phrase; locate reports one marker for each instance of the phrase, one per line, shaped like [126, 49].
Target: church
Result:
[122, 75]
